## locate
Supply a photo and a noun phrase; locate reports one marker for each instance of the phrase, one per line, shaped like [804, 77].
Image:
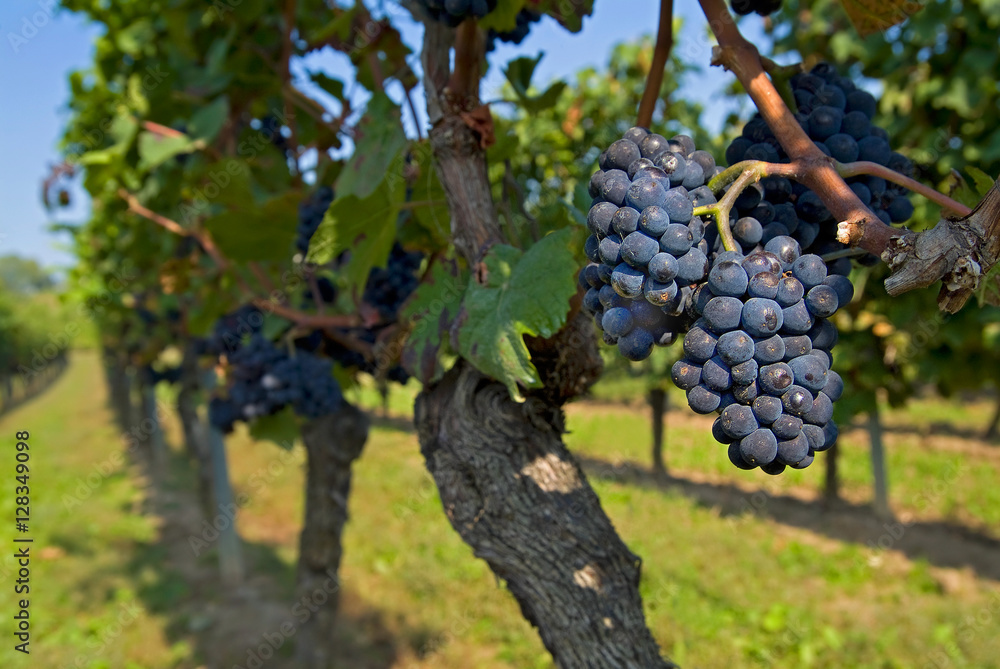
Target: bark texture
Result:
[517, 496]
[508, 484]
[333, 443]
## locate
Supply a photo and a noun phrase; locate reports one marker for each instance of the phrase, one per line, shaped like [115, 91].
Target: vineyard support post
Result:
[881, 500]
[155, 432]
[195, 430]
[658, 401]
[992, 429]
[831, 483]
[224, 513]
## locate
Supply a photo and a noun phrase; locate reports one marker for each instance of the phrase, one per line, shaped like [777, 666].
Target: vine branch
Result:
[661, 53]
[293, 315]
[874, 169]
[957, 252]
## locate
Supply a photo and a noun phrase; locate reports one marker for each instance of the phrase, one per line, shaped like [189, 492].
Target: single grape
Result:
[738, 421]
[636, 345]
[703, 400]
[686, 375]
[759, 447]
[766, 409]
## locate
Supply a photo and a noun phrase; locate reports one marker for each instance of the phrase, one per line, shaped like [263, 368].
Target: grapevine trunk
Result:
[333, 442]
[517, 496]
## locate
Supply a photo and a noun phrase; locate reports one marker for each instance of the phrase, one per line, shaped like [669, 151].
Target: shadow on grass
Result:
[940, 543]
[246, 626]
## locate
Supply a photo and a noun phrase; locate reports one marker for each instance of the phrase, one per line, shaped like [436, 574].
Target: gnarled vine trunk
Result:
[517, 496]
[509, 486]
[333, 443]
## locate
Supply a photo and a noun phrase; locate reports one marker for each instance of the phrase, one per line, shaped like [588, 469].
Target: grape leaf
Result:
[334, 87]
[872, 16]
[281, 428]
[984, 182]
[208, 121]
[504, 17]
[431, 312]
[257, 232]
[366, 227]
[569, 13]
[156, 149]
[519, 72]
[379, 138]
[517, 294]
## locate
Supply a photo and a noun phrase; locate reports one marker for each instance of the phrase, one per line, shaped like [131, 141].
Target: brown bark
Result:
[517, 496]
[507, 482]
[333, 443]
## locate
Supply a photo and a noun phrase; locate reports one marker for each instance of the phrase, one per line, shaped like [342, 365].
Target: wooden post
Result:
[831, 487]
[881, 501]
[658, 406]
[230, 553]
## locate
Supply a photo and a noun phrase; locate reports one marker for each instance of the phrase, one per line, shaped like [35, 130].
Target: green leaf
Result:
[205, 311]
[366, 227]
[872, 16]
[281, 428]
[131, 39]
[260, 233]
[984, 182]
[504, 17]
[523, 293]
[431, 312]
[519, 72]
[548, 99]
[568, 14]
[334, 87]
[273, 325]
[378, 141]
[156, 149]
[208, 121]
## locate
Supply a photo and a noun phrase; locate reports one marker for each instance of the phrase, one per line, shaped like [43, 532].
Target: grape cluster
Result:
[760, 355]
[837, 116]
[388, 287]
[311, 213]
[229, 332]
[524, 20]
[453, 12]
[762, 7]
[647, 248]
[271, 127]
[264, 378]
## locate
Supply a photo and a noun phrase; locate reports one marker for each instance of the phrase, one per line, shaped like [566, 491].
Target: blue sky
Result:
[38, 48]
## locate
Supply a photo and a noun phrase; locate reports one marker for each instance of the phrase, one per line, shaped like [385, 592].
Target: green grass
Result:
[722, 588]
